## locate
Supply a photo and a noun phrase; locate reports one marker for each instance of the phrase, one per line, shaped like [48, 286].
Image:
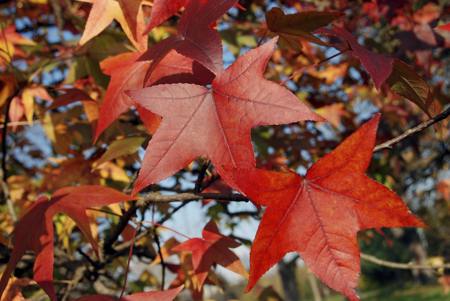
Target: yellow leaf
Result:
[104, 12]
[91, 110]
[121, 148]
[28, 96]
[28, 104]
[112, 171]
[6, 88]
[49, 130]
[64, 227]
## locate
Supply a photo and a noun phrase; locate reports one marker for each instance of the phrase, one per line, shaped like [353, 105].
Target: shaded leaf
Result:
[195, 37]
[301, 24]
[70, 96]
[212, 249]
[30, 235]
[405, 82]
[163, 10]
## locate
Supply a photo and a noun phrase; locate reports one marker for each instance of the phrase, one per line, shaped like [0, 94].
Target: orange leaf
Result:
[319, 216]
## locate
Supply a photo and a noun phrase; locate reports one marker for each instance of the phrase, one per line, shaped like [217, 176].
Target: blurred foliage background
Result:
[58, 85]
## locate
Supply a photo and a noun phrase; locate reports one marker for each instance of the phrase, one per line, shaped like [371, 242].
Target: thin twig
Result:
[414, 130]
[130, 255]
[78, 276]
[201, 177]
[163, 264]
[402, 266]
[123, 222]
[153, 224]
[158, 245]
[298, 71]
[148, 231]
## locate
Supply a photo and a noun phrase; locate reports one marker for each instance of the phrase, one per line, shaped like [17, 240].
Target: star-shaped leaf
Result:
[34, 232]
[215, 122]
[163, 10]
[128, 13]
[319, 215]
[213, 248]
[127, 73]
[195, 36]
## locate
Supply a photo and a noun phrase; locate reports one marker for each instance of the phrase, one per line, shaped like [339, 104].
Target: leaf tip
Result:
[373, 122]
[273, 42]
[249, 286]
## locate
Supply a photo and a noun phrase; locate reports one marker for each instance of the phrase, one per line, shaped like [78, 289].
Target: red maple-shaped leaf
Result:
[213, 248]
[319, 216]
[379, 66]
[195, 36]
[127, 73]
[167, 295]
[34, 231]
[163, 10]
[215, 122]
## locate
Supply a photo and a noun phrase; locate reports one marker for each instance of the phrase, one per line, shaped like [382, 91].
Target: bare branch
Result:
[154, 197]
[123, 222]
[402, 266]
[414, 130]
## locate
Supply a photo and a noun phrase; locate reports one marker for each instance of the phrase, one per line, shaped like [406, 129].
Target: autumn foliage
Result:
[277, 106]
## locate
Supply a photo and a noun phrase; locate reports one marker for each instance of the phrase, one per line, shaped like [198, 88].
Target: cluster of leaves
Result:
[194, 107]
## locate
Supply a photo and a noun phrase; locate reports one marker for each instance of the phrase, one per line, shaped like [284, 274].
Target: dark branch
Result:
[123, 222]
[414, 130]
[154, 197]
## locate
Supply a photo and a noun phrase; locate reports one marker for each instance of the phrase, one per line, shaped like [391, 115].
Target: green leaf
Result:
[405, 82]
[121, 148]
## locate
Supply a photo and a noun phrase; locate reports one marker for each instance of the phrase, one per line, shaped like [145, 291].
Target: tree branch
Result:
[414, 130]
[163, 264]
[123, 222]
[402, 266]
[154, 197]
[5, 135]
